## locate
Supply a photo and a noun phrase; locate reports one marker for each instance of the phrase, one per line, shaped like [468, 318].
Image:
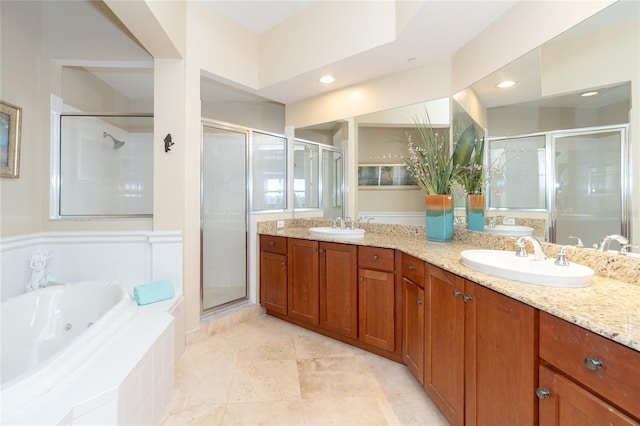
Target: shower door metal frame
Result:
[625, 181]
[247, 133]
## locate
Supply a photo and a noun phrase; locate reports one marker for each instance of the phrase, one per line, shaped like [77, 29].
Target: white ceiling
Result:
[439, 29]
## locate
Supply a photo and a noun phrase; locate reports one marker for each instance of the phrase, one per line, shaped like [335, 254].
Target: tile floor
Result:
[269, 372]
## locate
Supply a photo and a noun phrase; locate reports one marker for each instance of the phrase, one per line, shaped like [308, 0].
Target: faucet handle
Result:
[561, 259]
[579, 242]
[626, 248]
[520, 250]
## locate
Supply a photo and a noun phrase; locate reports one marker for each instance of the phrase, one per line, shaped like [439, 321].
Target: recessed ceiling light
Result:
[327, 79]
[505, 84]
[587, 94]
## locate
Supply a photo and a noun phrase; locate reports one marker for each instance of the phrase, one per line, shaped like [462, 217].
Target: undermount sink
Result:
[510, 230]
[505, 264]
[329, 232]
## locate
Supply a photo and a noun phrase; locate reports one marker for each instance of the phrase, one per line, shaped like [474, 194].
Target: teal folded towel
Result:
[153, 292]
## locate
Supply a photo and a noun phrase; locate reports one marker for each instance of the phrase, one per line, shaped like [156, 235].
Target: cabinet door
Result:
[500, 359]
[303, 280]
[339, 288]
[376, 304]
[444, 343]
[273, 281]
[413, 328]
[569, 404]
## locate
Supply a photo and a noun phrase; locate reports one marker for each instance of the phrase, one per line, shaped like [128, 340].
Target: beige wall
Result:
[20, 199]
[38, 38]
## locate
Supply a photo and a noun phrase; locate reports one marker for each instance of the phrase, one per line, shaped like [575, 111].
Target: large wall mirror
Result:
[600, 54]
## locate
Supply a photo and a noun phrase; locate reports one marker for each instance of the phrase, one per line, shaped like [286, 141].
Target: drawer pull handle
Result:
[419, 302]
[457, 293]
[467, 298]
[543, 393]
[593, 364]
[410, 267]
[271, 243]
[374, 257]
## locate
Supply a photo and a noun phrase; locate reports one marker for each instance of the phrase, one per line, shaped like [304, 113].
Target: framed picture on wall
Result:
[378, 176]
[10, 122]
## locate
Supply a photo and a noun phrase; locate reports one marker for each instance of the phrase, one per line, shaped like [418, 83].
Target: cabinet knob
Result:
[419, 302]
[272, 243]
[321, 250]
[283, 264]
[593, 364]
[543, 393]
[467, 298]
[410, 267]
[457, 293]
[361, 279]
[313, 250]
[374, 257]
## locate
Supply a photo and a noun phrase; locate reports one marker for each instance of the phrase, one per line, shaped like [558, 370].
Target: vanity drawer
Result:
[608, 368]
[413, 269]
[273, 244]
[375, 258]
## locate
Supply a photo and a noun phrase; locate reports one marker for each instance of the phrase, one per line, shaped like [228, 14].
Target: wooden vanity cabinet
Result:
[339, 288]
[273, 273]
[413, 315]
[303, 280]
[480, 352]
[379, 300]
[585, 378]
[444, 342]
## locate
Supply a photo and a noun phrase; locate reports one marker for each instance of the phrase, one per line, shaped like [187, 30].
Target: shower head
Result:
[116, 142]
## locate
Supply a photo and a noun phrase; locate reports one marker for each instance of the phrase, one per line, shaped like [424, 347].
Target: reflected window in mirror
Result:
[516, 173]
[306, 165]
[269, 172]
[332, 183]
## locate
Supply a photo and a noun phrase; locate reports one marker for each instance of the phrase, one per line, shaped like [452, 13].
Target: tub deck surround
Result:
[610, 306]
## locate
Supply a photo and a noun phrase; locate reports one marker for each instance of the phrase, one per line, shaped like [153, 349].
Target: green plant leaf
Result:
[464, 147]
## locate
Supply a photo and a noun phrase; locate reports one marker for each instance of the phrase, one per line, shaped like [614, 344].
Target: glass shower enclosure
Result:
[589, 185]
[223, 216]
[579, 178]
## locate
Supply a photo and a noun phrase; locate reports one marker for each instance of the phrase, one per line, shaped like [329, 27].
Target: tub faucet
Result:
[537, 247]
[604, 245]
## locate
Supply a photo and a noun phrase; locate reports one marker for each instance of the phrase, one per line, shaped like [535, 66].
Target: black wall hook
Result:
[168, 143]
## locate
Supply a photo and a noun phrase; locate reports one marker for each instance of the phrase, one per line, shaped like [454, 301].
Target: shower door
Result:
[223, 216]
[590, 185]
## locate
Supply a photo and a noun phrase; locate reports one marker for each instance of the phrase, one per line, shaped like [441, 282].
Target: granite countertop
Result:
[610, 306]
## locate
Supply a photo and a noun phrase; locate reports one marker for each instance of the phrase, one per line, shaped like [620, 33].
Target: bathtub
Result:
[47, 334]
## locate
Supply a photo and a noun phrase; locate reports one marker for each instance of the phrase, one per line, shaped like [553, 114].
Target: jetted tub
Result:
[47, 334]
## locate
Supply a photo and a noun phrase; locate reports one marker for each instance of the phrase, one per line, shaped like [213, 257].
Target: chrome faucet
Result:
[537, 247]
[579, 243]
[604, 245]
[337, 221]
[352, 223]
[492, 221]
